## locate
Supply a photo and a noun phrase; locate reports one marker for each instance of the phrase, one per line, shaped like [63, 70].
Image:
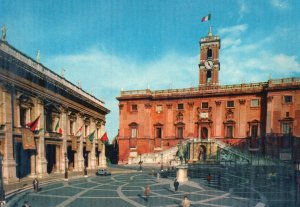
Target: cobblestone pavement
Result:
[122, 190]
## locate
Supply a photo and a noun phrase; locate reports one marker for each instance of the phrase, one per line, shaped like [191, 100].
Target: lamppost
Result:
[140, 163]
[162, 162]
[66, 167]
[2, 192]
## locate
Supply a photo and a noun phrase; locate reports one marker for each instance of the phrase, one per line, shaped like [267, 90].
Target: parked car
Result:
[103, 172]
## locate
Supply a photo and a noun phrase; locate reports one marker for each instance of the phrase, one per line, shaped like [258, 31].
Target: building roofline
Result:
[10, 50]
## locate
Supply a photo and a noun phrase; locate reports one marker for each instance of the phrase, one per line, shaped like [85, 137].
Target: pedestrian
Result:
[26, 204]
[208, 178]
[158, 175]
[147, 192]
[186, 202]
[35, 184]
[176, 184]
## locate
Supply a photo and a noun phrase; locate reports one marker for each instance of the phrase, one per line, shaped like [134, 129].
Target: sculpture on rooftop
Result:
[3, 29]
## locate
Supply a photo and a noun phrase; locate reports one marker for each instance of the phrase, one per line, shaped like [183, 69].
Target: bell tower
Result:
[209, 66]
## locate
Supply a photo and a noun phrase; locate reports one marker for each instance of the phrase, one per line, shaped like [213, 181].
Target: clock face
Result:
[209, 64]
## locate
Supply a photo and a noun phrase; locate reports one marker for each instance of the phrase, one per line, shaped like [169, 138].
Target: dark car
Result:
[103, 172]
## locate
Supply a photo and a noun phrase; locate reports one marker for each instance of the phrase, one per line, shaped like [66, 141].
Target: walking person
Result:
[208, 178]
[186, 202]
[35, 184]
[176, 184]
[26, 204]
[147, 192]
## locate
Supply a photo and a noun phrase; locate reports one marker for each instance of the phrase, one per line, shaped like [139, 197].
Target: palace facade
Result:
[262, 117]
[32, 95]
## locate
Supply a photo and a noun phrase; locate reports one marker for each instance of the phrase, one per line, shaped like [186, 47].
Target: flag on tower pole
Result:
[206, 18]
[104, 137]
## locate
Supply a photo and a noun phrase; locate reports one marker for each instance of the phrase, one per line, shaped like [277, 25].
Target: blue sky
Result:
[114, 45]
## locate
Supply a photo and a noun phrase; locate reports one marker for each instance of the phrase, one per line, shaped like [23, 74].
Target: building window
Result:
[254, 131]
[288, 99]
[230, 104]
[159, 108]
[86, 130]
[254, 102]
[180, 132]
[209, 53]
[23, 112]
[180, 106]
[229, 131]
[158, 132]
[286, 128]
[204, 105]
[134, 107]
[133, 132]
[71, 127]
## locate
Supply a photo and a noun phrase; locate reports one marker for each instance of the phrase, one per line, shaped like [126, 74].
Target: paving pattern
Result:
[126, 190]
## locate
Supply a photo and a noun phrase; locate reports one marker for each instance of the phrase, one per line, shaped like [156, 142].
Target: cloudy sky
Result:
[134, 44]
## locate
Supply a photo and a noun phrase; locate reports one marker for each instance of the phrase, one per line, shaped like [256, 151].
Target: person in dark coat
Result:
[176, 184]
[208, 178]
[35, 184]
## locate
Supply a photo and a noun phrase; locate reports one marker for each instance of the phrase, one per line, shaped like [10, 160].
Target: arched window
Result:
[209, 53]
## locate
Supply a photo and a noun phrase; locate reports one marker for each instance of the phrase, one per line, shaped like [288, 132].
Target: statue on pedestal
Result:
[182, 153]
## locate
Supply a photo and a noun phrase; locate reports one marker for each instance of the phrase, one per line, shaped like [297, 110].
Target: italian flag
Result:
[206, 18]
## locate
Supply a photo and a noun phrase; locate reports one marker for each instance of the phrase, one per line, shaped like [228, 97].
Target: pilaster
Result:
[9, 163]
[41, 162]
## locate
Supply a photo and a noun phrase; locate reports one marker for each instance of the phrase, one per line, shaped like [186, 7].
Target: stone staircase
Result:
[229, 154]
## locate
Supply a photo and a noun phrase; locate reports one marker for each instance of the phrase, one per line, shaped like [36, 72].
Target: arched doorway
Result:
[204, 133]
[202, 153]
[22, 160]
[51, 157]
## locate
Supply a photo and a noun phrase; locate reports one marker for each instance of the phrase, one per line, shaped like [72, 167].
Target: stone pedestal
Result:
[182, 173]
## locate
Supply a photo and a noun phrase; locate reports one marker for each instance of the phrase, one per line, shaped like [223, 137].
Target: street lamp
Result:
[162, 162]
[140, 163]
[2, 192]
[66, 167]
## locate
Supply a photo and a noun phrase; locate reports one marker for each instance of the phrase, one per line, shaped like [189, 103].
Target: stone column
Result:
[92, 164]
[63, 150]
[9, 163]
[79, 154]
[33, 165]
[41, 162]
[102, 157]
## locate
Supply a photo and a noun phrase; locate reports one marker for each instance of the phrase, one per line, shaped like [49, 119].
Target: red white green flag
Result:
[104, 137]
[33, 125]
[206, 18]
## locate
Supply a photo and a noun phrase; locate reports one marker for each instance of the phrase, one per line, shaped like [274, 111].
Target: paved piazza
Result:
[125, 190]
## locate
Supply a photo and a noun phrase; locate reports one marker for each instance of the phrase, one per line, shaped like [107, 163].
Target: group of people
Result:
[185, 203]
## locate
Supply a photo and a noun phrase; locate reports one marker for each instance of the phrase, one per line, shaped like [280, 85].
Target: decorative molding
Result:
[179, 116]
[229, 114]
[169, 106]
[242, 101]
[218, 103]
[148, 105]
[191, 104]
[269, 98]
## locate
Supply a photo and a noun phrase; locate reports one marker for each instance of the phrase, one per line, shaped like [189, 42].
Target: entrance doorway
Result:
[51, 157]
[22, 160]
[204, 133]
[202, 153]
[70, 157]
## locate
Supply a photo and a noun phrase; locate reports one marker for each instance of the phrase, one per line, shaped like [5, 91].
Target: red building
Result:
[258, 114]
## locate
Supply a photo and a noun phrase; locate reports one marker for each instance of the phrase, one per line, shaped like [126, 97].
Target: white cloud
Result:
[280, 4]
[233, 30]
[243, 9]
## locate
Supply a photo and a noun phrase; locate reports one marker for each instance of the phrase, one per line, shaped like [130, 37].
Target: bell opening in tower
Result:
[209, 54]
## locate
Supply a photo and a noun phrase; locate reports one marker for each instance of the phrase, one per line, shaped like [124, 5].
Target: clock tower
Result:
[209, 60]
